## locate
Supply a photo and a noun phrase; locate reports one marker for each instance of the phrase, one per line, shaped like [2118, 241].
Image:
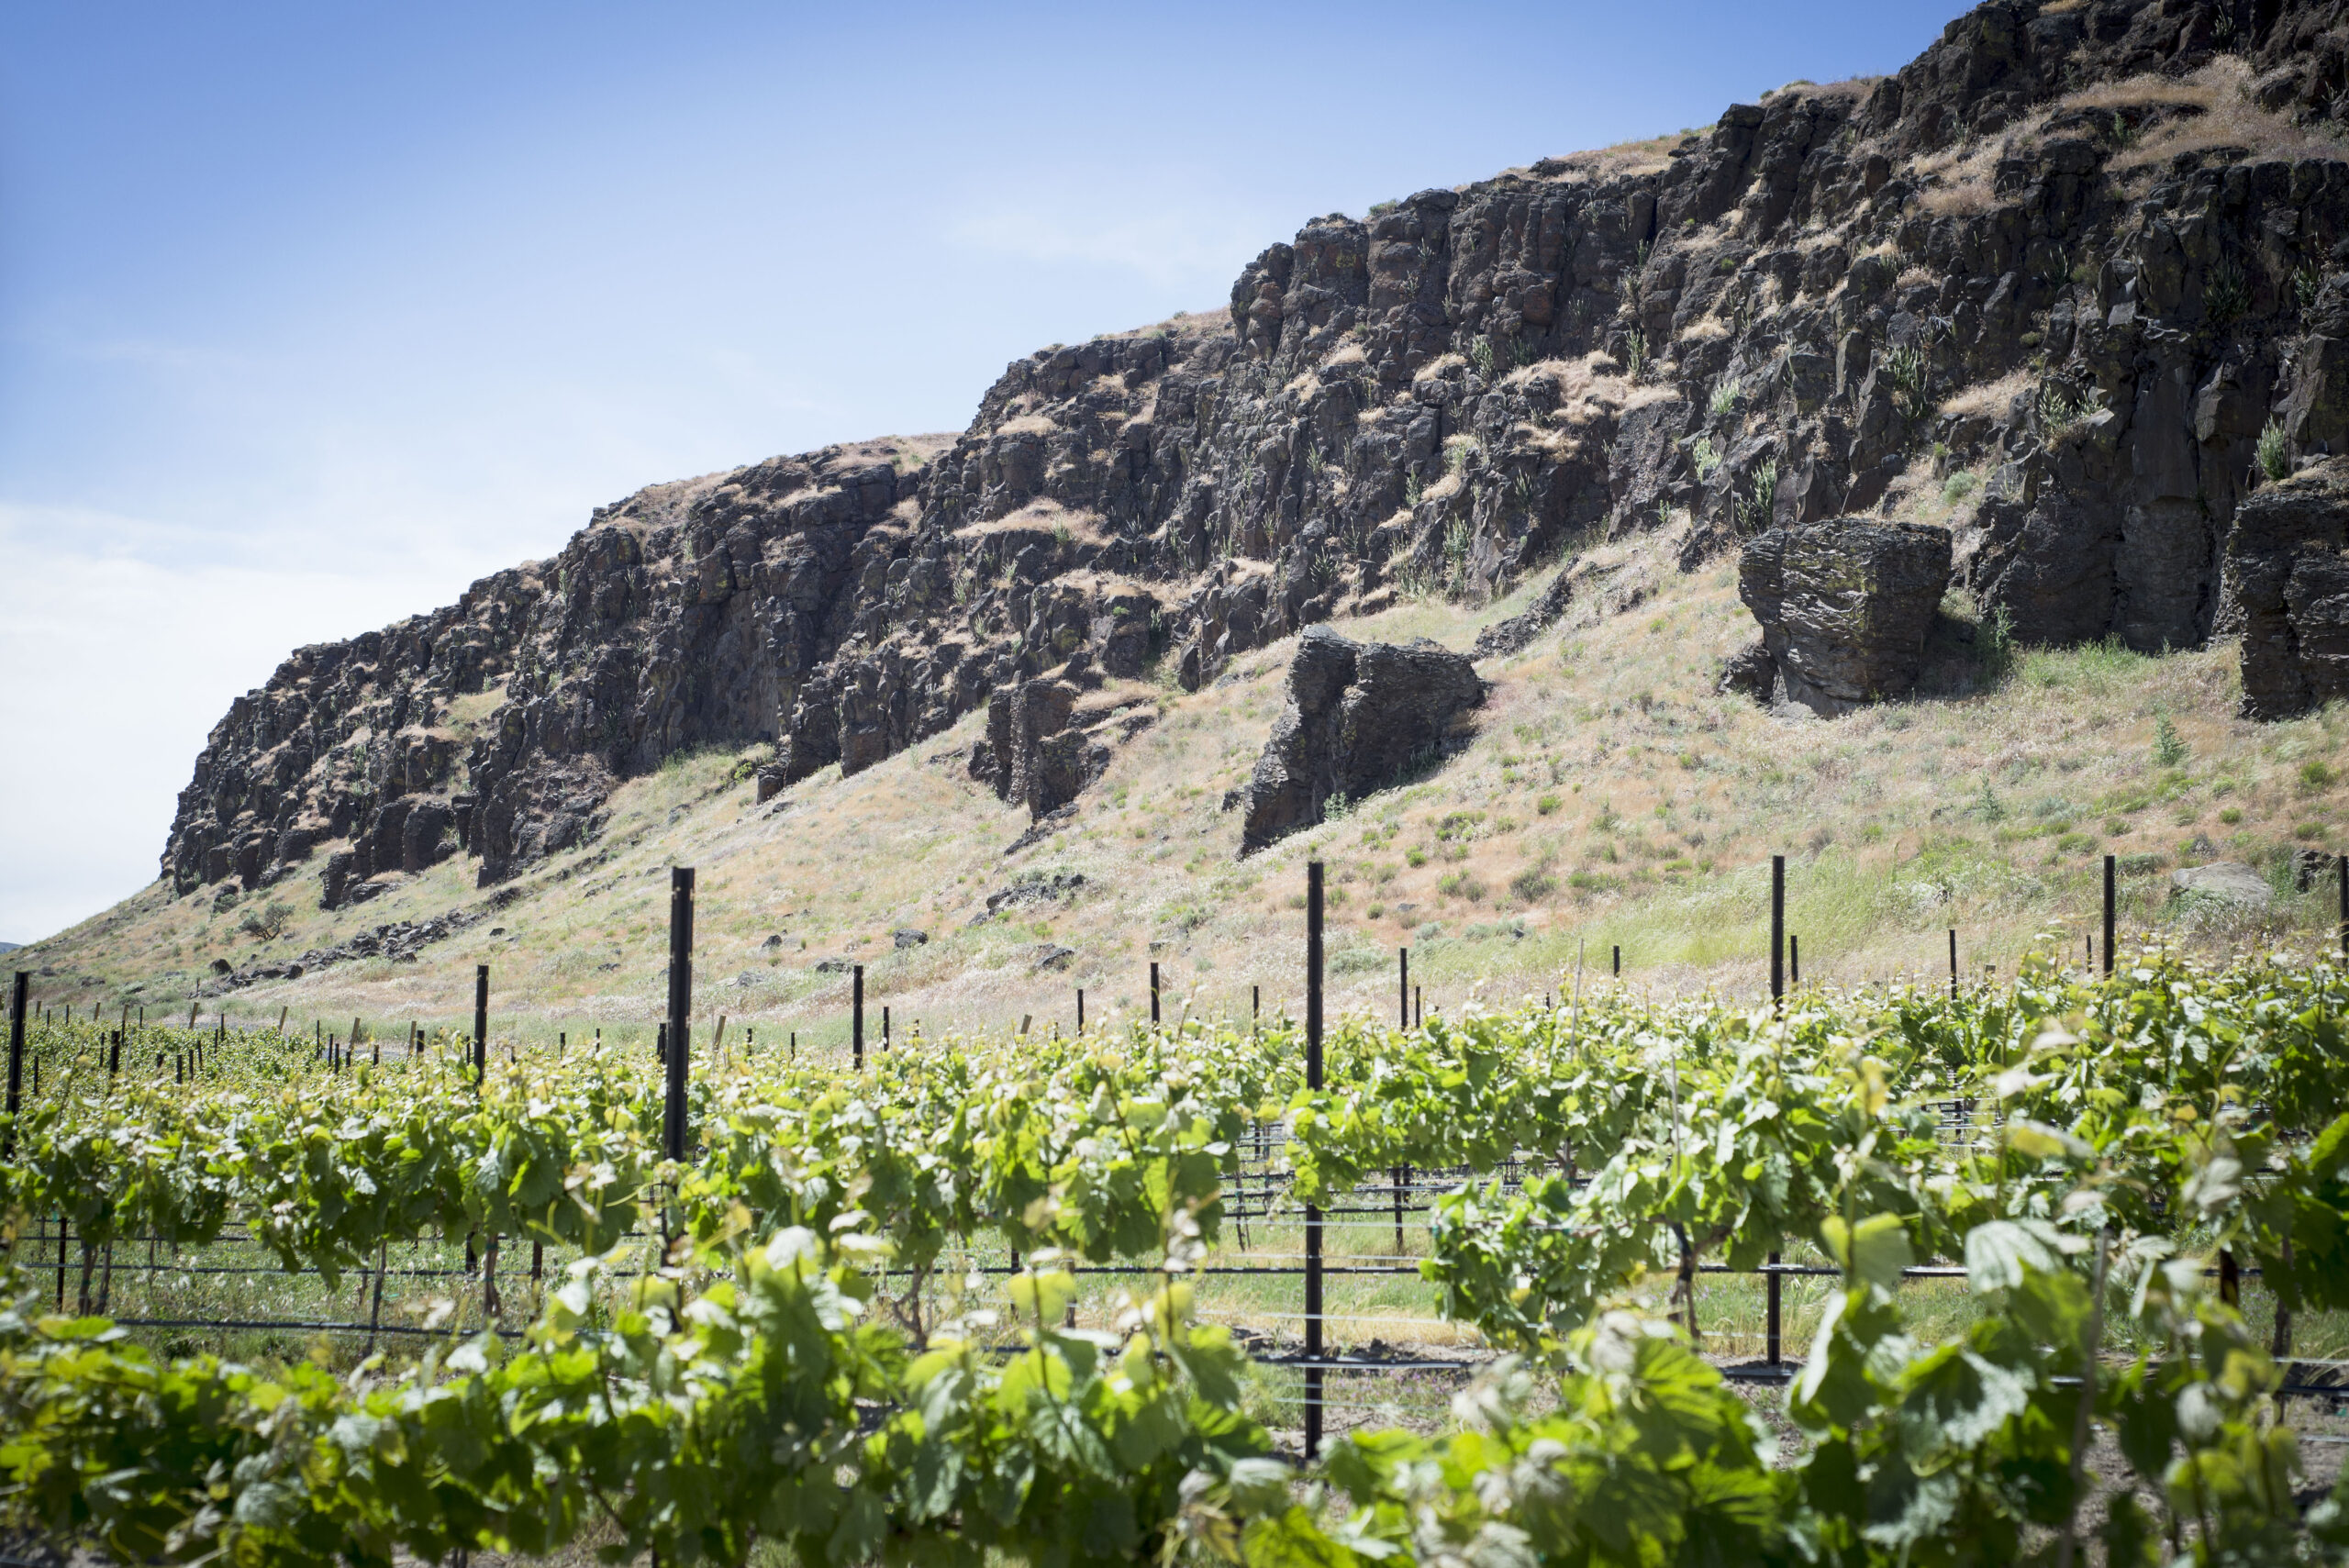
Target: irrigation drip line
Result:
[282, 1273]
[306, 1324]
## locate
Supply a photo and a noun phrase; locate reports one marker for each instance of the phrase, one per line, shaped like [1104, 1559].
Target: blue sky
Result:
[309, 315]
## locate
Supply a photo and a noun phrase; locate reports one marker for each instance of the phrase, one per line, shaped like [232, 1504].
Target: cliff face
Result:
[2084, 250]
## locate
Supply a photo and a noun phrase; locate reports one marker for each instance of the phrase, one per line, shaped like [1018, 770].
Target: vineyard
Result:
[1858, 1278]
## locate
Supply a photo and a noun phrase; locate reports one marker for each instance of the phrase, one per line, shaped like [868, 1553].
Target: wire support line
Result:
[312, 1324]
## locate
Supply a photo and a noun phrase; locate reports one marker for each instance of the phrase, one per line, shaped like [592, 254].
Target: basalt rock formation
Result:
[1049, 738]
[2073, 282]
[2289, 559]
[1360, 717]
[1844, 607]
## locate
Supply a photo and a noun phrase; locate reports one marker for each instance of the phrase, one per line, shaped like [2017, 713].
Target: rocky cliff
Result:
[2091, 253]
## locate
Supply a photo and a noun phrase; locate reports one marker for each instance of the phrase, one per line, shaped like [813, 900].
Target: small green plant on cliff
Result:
[1412, 489]
[1757, 510]
[1457, 450]
[2061, 407]
[1635, 353]
[2305, 285]
[1480, 354]
[1704, 457]
[2227, 296]
[2275, 453]
[1455, 556]
[1995, 643]
[1911, 374]
[1726, 393]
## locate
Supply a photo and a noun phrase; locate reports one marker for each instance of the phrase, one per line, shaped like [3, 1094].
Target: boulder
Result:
[2292, 586]
[1749, 672]
[1844, 606]
[2228, 881]
[1360, 716]
[909, 938]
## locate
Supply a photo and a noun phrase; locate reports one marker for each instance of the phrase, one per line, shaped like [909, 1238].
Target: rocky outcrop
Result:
[1360, 717]
[1517, 633]
[1049, 738]
[1844, 607]
[399, 941]
[2291, 578]
[2091, 256]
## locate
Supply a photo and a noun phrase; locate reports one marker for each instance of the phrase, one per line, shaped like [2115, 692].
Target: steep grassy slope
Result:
[1605, 802]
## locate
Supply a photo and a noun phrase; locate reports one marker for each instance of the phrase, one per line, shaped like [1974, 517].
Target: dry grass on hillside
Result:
[1611, 798]
[2207, 111]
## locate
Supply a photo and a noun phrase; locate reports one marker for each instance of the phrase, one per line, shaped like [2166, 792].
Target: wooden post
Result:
[481, 1023]
[1953, 963]
[1777, 932]
[1772, 1341]
[2109, 863]
[1402, 1007]
[1153, 993]
[1312, 1211]
[681, 994]
[16, 999]
[1793, 961]
[856, 1017]
[1080, 1009]
[1619, 960]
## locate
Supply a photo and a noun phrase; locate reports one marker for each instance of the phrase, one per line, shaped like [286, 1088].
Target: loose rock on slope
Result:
[1360, 716]
[1844, 607]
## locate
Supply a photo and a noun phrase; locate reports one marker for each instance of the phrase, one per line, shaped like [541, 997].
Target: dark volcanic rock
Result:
[2291, 579]
[399, 941]
[1046, 743]
[1032, 889]
[1844, 607]
[1518, 631]
[1360, 716]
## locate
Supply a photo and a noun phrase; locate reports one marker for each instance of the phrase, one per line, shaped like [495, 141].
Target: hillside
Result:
[1610, 798]
[1977, 421]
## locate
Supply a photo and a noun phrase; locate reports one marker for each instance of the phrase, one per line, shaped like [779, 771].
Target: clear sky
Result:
[311, 314]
